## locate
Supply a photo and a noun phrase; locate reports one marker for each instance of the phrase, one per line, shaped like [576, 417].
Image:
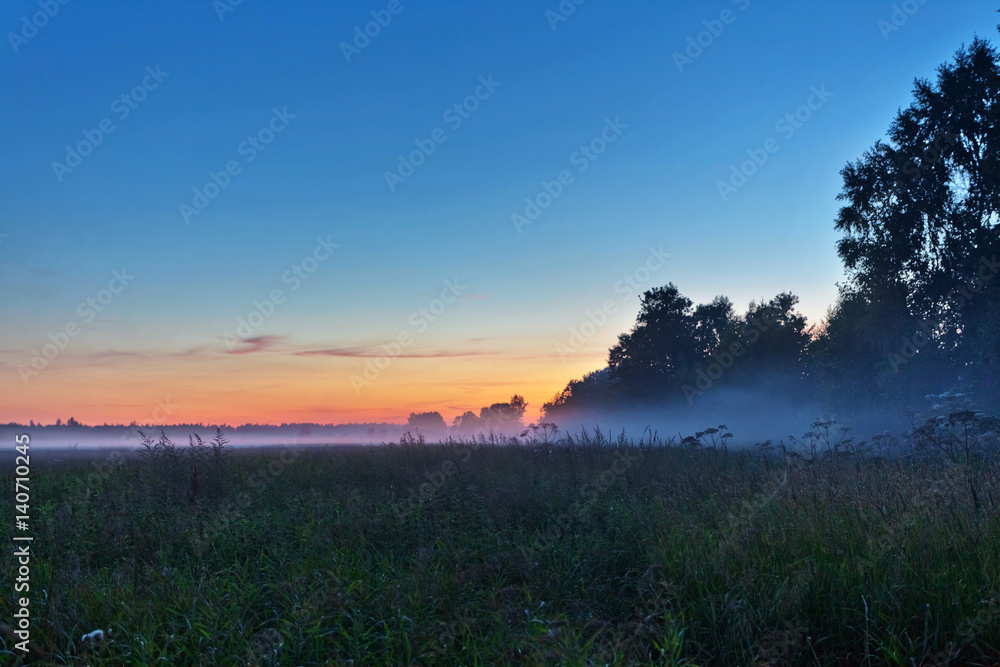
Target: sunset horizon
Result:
[215, 266]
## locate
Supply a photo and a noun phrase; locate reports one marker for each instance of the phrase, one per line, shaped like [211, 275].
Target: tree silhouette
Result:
[504, 415]
[922, 209]
[467, 422]
[921, 225]
[713, 322]
[428, 423]
[661, 343]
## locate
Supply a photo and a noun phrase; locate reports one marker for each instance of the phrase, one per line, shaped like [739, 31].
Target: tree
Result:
[921, 225]
[501, 416]
[775, 340]
[595, 392]
[467, 422]
[675, 348]
[660, 345]
[713, 322]
[428, 423]
[922, 208]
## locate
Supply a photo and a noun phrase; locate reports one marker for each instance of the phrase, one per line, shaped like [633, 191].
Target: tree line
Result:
[918, 312]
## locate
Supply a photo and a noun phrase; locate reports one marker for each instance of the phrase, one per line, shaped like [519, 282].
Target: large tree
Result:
[922, 209]
[661, 344]
[505, 415]
[921, 225]
[428, 423]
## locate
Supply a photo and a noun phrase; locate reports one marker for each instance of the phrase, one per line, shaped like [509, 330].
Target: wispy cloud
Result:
[372, 352]
[190, 352]
[111, 354]
[144, 355]
[257, 344]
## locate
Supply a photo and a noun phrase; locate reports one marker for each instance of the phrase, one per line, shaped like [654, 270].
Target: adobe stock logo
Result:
[30, 27]
[697, 44]
[223, 7]
[455, 116]
[122, 107]
[900, 16]
[420, 321]
[294, 277]
[363, 35]
[582, 158]
[594, 320]
[787, 127]
[249, 149]
[724, 359]
[88, 310]
[562, 13]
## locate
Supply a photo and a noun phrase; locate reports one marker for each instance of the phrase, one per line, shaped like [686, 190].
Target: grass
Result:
[589, 552]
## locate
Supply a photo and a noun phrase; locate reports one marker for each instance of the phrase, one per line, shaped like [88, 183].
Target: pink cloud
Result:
[257, 344]
[370, 352]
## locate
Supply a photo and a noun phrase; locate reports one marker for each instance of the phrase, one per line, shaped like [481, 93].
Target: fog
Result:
[102, 437]
[751, 416]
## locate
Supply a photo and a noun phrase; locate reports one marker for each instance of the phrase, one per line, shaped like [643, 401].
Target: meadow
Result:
[584, 550]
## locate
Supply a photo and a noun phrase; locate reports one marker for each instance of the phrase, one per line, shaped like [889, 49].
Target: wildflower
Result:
[95, 637]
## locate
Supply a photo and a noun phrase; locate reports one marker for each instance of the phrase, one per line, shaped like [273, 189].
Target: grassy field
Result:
[589, 552]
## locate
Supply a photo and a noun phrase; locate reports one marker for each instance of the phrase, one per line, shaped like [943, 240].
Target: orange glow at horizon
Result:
[275, 388]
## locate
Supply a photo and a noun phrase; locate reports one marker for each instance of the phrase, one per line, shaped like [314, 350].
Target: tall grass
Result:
[590, 551]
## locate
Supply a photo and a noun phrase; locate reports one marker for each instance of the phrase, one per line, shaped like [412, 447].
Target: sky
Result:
[253, 211]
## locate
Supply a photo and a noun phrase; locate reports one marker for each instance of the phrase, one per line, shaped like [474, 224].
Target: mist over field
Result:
[752, 416]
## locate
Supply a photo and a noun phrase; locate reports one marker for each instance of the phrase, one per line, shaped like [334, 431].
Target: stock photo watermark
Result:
[294, 277]
[436, 480]
[223, 7]
[631, 283]
[419, 322]
[87, 310]
[562, 13]
[248, 149]
[30, 25]
[589, 495]
[22, 496]
[582, 158]
[725, 359]
[900, 16]
[158, 417]
[364, 34]
[956, 300]
[455, 116]
[122, 107]
[697, 44]
[787, 126]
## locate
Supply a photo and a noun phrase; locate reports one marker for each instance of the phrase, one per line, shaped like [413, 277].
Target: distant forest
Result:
[918, 313]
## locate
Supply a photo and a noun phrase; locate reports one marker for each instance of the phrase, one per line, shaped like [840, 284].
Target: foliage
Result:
[956, 432]
[920, 306]
[431, 423]
[921, 235]
[499, 417]
[678, 555]
[675, 347]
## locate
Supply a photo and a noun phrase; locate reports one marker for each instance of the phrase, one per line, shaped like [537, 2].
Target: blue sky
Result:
[323, 175]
